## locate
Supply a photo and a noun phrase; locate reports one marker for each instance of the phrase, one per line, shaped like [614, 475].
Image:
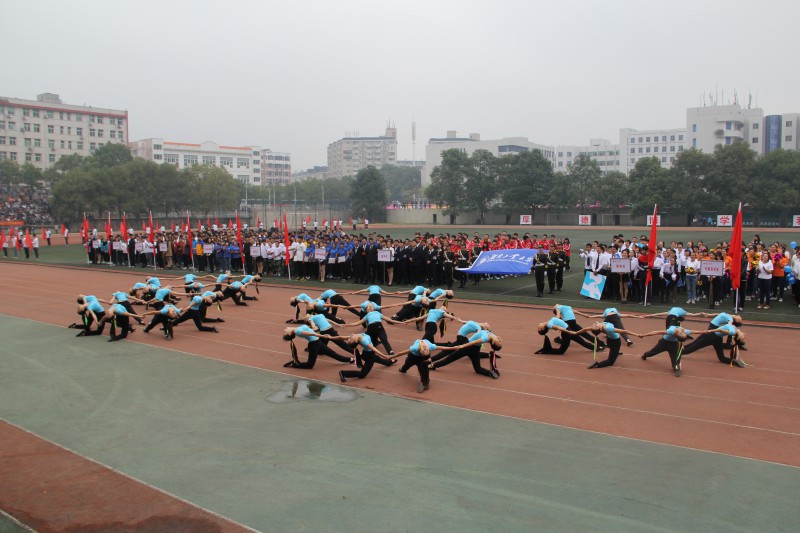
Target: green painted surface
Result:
[204, 431]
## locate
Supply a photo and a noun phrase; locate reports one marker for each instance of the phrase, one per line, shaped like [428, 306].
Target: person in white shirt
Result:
[36, 246]
[589, 256]
[764, 281]
[691, 268]
[47, 235]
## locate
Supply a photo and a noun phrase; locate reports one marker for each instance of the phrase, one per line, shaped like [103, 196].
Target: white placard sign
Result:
[208, 249]
[331, 260]
[117, 245]
[724, 221]
[525, 220]
[712, 268]
[320, 254]
[138, 247]
[584, 220]
[384, 256]
[341, 259]
[255, 251]
[620, 265]
[650, 220]
[162, 247]
[96, 243]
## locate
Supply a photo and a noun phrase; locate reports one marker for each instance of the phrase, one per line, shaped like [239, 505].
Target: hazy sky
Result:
[296, 75]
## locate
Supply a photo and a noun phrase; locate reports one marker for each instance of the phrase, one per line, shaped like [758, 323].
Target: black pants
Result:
[559, 278]
[663, 345]
[538, 273]
[375, 298]
[204, 312]
[584, 339]
[315, 349]
[408, 311]
[368, 361]
[547, 347]
[422, 365]
[378, 336]
[616, 321]
[338, 342]
[233, 294]
[709, 339]
[613, 346]
[474, 354]
[338, 299]
[430, 331]
[551, 279]
[161, 319]
[196, 317]
[120, 326]
[460, 339]
[87, 321]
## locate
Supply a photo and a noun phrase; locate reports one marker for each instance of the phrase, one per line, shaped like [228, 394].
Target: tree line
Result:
[696, 181]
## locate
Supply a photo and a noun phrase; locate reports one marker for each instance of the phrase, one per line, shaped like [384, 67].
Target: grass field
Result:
[522, 289]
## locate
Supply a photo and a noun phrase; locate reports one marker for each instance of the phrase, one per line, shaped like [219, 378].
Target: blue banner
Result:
[593, 285]
[502, 262]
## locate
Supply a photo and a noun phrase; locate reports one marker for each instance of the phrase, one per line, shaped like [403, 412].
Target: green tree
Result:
[9, 171]
[213, 189]
[649, 186]
[733, 174]
[368, 195]
[612, 190]
[480, 187]
[525, 181]
[29, 174]
[778, 172]
[584, 174]
[688, 175]
[403, 182]
[110, 155]
[447, 182]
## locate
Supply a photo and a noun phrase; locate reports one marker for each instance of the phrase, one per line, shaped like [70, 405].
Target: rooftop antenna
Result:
[413, 143]
[749, 98]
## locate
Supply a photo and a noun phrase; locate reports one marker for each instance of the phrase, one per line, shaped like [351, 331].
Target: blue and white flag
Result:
[593, 285]
[502, 262]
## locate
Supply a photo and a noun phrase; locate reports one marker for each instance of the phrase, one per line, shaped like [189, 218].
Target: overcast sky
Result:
[297, 75]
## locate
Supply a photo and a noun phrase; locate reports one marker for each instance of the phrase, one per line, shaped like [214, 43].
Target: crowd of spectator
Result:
[25, 203]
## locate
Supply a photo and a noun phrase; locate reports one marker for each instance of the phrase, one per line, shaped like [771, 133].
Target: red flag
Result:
[308, 220]
[286, 238]
[216, 222]
[736, 251]
[199, 226]
[239, 235]
[189, 234]
[123, 227]
[17, 240]
[109, 229]
[85, 229]
[323, 222]
[208, 222]
[258, 222]
[152, 236]
[2, 238]
[28, 240]
[651, 245]
[63, 229]
[230, 223]
[43, 231]
[276, 224]
[351, 220]
[144, 226]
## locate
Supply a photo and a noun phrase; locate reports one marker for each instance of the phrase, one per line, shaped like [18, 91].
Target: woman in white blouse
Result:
[764, 281]
[692, 270]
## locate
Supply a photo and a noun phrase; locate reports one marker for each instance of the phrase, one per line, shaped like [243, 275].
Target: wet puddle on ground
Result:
[309, 390]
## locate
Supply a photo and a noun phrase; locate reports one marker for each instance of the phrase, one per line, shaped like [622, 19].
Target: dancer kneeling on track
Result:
[369, 356]
[119, 317]
[315, 347]
[556, 324]
[373, 322]
[89, 309]
[671, 342]
[716, 341]
[613, 317]
[164, 316]
[613, 341]
[194, 311]
[565, 313]
[320, 323]
[434, 321]
[472, 349]
[418, 355]
[294, 302]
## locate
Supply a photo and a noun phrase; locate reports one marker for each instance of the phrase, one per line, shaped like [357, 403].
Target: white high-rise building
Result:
[241, 162]
[664, 145]
[498, 147]
[41, 131]
[603, 151]
[276, 167]
[350, 154]
[708, 127]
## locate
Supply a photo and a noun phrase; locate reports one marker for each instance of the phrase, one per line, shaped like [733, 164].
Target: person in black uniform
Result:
[372, 262]
[417, 261]
[561, 262]
[552, 266]
[540, 261]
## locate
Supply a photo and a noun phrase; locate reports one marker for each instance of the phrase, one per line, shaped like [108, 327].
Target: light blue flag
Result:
[593, 285]
[502, 262]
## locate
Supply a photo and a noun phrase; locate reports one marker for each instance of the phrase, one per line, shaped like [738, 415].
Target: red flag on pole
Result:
[189, 234]
[17, 240]
[308, 219]
[736, 251]
[230, 223]
[216, 222]
[208, 222]
[123, 227]
[63, 229]
[152, 236]
[258, 222]
[239, 235]
[109, 229]
[28, 240]
[199, 226]
[85, 228]
[323, 222]
[651, 245]
[286, 238]
[276, 224]
[43, 231]
[2, 238]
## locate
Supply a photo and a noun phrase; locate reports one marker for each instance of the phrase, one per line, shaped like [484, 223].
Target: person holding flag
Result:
[3, 243]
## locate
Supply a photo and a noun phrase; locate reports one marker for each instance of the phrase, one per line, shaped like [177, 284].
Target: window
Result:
[788, 123]
[225, 161]
[26, 127]
[788, 138]
[10, 110]
[112, 134]
[663, 159]
[26, 112]
[61, 116]
[12, 141]
[92, 133]
[61, 130]
[561, 163]
[727, 127]
[79, 131]
[727, 140]
[51, 128]
[671, 137]
[99, 133]
[2, 139]
[28, 142]
[3, 155]
[663, 148]
[91, 119]
[694, 143]
[92, 147]
[156, 147]
[12, 125]
[255, 153]
[157, 157]
[99, 120]
[38, 157]
[680, 148]
[694, 128]
[641, 149]
[28, 156]
[640, 139]
[569, 154]
[755, 140]
[51, 144]
[647, 139]
[69, 145]
[560, 154]
[78, 118]
[755, 125]
[171, 158]
[242, 162]
[80, 145]
[119, 121]
[663, 138]
[36, 113]
[209, 160]
[680, 137]
[48, 114]
[648, 150]
[2, 124]
[36, 128]
[37, 143]
[633, 160]
[671, 159]
[633, 140]
[13, 155]
[62, 145]
[189, 160]
[51, 158]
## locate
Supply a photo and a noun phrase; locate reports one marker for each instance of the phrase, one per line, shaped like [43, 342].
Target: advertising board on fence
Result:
[525, 220]
[724, 221]
[584, 220]
[796, 221]
[650, 220]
